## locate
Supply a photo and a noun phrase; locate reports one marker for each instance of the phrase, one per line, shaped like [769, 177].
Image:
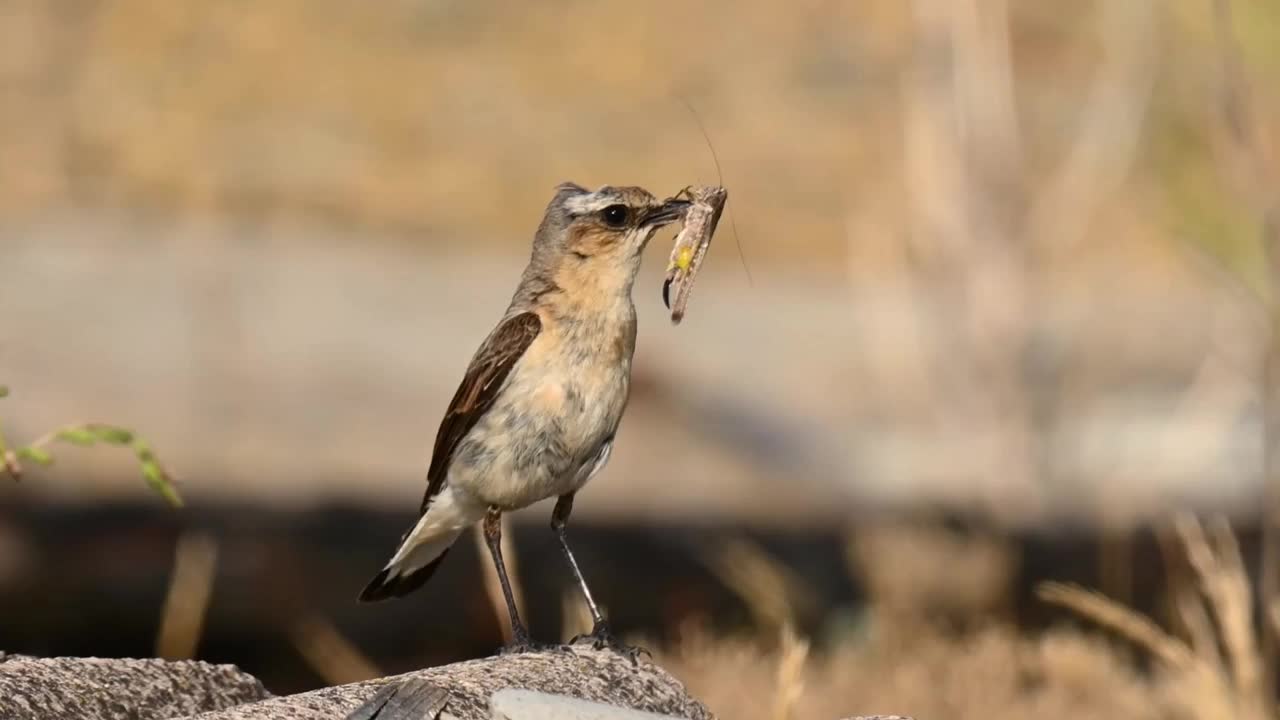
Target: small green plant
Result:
[86, 435]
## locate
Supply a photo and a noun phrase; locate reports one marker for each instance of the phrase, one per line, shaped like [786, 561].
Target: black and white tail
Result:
[414, 563]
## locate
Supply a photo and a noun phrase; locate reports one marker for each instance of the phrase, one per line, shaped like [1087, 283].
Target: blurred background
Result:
[993, 305]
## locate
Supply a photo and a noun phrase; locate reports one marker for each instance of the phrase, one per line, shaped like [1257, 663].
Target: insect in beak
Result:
[699, 215]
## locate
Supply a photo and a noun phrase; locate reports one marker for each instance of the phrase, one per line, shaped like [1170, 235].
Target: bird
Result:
[540, 403]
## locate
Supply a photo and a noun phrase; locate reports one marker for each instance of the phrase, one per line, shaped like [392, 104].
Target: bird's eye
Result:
[615, 216]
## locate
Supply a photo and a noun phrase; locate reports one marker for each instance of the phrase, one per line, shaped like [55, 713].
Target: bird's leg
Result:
[601, 636]
[559, 519]
[493, 538]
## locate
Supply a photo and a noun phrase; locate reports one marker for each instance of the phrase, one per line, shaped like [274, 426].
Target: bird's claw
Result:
[515, 649]
[522, 644]
[602, 638]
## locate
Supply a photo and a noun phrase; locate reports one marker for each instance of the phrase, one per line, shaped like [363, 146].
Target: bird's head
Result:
[601, 234]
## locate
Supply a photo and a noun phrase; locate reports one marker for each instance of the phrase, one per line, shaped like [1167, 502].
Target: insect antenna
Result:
[733, 225]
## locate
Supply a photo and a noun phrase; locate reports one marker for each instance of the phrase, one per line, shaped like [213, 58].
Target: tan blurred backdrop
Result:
[1014, 260]
[1004, 256]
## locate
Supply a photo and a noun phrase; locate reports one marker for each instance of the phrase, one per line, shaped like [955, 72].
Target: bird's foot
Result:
[602, 638]
[520, 643]
[516, 647]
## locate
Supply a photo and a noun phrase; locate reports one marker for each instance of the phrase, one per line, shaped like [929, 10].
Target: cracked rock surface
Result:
[94, 688]
[579, 672]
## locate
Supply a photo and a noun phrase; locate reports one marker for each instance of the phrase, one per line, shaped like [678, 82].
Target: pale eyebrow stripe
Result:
[583, 204]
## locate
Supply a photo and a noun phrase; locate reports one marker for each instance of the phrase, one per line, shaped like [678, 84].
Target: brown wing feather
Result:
[489, 368]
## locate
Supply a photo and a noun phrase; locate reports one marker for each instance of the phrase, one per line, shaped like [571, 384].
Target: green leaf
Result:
[4, 391]
[35, 455]
[112, 435]
[152, 473]
[160, 482]
[78, 436]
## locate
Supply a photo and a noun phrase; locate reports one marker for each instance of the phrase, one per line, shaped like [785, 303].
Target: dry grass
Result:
[910, 656]
[793, 651]
[1216, 671]
[992, 673]
[195, 564]
[575, 616]
[768, 588]
[905, 663]
[330, 653]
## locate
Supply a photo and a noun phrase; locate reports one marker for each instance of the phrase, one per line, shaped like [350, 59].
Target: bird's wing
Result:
[489, 368]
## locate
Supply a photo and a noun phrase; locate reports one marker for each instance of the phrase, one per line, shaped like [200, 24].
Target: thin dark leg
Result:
[601, 637]
[493, 538]
[559, 519]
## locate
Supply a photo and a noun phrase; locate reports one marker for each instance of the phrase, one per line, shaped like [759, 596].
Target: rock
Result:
[512, 704]
[93, 688]
[576, 683]
[579, 672]
[414, 698]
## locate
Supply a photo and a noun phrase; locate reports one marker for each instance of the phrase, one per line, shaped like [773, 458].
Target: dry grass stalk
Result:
[330, 653]
[1109, 133]
[187, 602]
[1199, 629]
[990, 671]
[760, 581]
[575, 616]
[1134, 626]
[492, 587]
[1192, 682]
[1273, 616]
[988, 674]
[1249, 160]
[1115, 564]
[1225, 583]
[793, 651]
[1196, 676]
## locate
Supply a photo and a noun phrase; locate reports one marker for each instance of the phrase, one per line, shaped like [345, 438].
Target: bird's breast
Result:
[561, 405]
[583, 396]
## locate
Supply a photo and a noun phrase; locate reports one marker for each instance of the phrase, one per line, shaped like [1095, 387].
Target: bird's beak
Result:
[666, 213]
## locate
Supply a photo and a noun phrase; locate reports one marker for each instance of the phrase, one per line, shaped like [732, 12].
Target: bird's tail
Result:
[414, 563]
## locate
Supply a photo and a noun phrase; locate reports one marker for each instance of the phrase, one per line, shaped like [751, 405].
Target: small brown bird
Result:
[538, 406]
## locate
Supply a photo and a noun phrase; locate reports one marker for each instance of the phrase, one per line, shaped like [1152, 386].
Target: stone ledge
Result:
[94, 688]
[596, 675]
[515, 704]
[576, 683]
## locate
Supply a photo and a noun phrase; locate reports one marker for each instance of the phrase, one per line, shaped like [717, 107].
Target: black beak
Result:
[667, 213]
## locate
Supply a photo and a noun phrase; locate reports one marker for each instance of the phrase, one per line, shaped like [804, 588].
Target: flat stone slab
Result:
[565, 683]
[583, 673]
[113, 689]
[532, 705]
